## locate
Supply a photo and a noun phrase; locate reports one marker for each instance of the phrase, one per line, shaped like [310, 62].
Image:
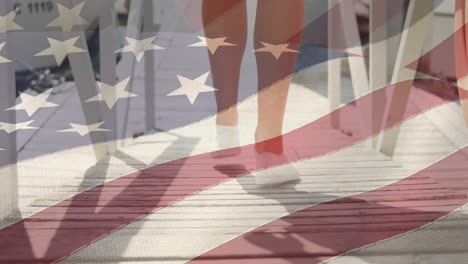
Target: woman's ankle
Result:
[266, 134]
[269, 142]
[228, 117]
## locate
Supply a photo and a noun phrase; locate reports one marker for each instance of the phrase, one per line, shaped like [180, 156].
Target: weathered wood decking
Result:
[217, 215]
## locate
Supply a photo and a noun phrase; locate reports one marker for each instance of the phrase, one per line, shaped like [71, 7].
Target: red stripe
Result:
[451, 53]
[321, 232]
[40, 238]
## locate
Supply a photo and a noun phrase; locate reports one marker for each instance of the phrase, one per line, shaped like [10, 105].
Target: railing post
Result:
[148, 29]
[334, 68]
[8, 152]
[411, 46]
[108, 69]
[378, 69]
[86, 86]
[127, 64]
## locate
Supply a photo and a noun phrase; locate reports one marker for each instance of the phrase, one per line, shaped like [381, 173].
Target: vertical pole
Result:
[463, 88]
[334, 68]
[461, 52]
[85, 81]
[411, 46]
[126, 67]
[108, 71]
[149, 30]
[8, 154]
[357, 63]
[378, 70]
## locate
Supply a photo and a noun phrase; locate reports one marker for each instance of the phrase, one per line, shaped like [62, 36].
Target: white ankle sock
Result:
[227, 138]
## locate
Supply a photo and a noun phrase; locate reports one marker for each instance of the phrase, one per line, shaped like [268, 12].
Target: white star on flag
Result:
[7, 24]
[68, 17]
[84, 130]
[60, 49]
[276, 50]
[31, 104]
[139, 47]
[12, 127]
[192, 88]
[212, 43]
[111, 94]
[3, 59]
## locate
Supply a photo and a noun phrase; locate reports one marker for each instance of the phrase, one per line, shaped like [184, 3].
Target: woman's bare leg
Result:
[278, 22]
[226, 18]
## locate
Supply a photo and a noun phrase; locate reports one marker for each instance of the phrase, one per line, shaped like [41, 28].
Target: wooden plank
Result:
[449, 121]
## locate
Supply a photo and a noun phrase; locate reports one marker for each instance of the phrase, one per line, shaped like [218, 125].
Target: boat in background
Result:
[42, 73]
[33, 16]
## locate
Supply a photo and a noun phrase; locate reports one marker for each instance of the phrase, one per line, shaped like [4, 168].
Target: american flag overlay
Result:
[234, 131]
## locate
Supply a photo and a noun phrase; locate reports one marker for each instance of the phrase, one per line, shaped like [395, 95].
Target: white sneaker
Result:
[228, 141]
[271, 175]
